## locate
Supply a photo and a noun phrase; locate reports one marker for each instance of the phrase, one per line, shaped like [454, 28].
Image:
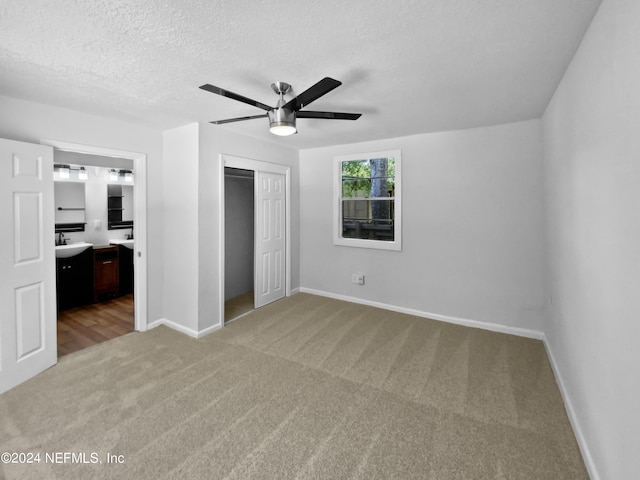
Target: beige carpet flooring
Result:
[304, 388]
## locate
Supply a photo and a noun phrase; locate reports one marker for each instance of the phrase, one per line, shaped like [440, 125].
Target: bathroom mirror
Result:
[69, 200]
[120, 206]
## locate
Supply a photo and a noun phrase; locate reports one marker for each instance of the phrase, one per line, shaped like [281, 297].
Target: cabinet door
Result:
[84, 278]
[74, 280]
[64, 290]
[125, 264]
[106, 275]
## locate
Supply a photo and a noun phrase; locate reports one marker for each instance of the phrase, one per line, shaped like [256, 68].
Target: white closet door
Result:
[270, 238]
[27, 262]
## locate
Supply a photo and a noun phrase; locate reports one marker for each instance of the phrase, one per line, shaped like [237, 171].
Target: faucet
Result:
[61, 240]
[129, 236]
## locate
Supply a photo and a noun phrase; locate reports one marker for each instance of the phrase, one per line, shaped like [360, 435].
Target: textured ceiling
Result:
[410, 66]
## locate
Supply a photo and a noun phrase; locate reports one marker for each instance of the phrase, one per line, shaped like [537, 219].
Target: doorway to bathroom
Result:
[100, 208]
[94, 205]
[256, 237]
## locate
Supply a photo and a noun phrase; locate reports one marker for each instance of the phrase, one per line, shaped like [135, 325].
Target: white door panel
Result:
[27, 262]
[270, 244]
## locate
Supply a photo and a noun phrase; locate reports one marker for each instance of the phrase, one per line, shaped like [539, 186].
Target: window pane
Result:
[368, 178]
[356, 181]
[368, 219]
[356, 168]
[356, 187]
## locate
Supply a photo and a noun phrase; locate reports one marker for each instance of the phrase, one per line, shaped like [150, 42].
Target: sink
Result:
[66, 251]
[123, 242]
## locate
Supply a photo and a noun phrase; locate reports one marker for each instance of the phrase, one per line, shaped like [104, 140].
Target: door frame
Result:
[256, 166]
[139, 218]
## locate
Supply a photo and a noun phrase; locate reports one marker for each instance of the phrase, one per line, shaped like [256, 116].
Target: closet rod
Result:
[238, 176]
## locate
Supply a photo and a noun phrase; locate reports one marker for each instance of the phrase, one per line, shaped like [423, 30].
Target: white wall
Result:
[192, 167]
[472, 227]
[32, 122]
[180, 262]
[592, 191]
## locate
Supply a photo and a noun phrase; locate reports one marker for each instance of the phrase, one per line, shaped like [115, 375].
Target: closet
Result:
[239, 241]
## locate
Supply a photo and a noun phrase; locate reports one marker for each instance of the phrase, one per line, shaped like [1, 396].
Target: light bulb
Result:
[283, 130]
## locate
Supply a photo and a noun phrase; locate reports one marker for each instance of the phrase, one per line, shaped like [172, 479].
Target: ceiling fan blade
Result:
[234, 96]
[321, 88]
[329, 115]
[239, 119]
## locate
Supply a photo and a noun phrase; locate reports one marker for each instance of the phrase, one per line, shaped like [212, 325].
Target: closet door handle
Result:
[104, 263]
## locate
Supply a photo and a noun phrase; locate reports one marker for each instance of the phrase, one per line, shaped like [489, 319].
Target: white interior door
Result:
[27, 262]
[270, 238]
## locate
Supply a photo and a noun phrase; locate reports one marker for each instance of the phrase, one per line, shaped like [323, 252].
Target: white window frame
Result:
[338, 239]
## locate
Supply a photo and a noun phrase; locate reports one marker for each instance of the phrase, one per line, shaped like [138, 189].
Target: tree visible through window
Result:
[368, 201]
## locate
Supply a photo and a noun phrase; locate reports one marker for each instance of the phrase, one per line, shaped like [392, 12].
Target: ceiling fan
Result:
[282, 117]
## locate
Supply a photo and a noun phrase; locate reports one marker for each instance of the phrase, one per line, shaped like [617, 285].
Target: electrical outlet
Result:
[357, 278]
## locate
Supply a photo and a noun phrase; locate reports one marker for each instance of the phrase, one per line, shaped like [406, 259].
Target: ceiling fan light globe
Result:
[282, 129]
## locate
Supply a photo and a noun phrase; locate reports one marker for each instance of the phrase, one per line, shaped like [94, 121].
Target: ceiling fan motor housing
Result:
[282, 117]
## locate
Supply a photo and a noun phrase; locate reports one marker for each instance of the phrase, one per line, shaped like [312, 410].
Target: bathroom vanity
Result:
[125, 260]
[106, 272]
[74, 276]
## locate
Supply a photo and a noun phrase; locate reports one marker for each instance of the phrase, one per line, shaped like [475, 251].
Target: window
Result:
[368, 213]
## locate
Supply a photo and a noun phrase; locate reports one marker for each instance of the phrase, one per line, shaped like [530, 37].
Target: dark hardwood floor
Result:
[82, 327]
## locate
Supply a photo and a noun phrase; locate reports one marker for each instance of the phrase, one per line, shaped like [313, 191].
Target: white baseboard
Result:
[494, 327]
[208, 330]
[155, 323]
[293, 291]
[182, 328]
[573, 419]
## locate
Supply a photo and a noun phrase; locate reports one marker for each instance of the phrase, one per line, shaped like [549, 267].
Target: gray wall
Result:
[472, 227]
[592, 190]
[239, 242]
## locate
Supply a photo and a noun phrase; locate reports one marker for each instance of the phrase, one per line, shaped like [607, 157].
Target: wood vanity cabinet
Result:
[74, 280]
[106, 273]
[126, 269]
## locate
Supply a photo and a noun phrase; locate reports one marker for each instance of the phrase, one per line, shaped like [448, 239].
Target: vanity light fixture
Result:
[83, 174]
[63, 170]
[128, 175]
[113, 175]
